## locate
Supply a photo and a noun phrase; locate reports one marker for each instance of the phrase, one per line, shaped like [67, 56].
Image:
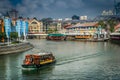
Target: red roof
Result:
[84, 24]
[117, 26]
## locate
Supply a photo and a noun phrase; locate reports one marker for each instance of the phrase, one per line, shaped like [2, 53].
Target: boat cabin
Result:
[41, 58]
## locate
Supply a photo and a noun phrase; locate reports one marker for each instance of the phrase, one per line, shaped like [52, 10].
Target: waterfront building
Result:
[87, 30]
[59, 26]
[35, 29]
[67, 19]
[83, 17]
[1, 25]
[2, 28]
[15, 25]
[55, 27]
[35, 26]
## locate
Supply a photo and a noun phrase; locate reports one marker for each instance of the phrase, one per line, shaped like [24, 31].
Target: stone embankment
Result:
[15, 48]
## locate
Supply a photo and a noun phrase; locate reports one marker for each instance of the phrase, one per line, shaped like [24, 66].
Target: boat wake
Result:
[78, 58]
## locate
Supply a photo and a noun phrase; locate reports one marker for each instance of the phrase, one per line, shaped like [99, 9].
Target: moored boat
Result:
[55, 37]
[115, 36]
[36, 61]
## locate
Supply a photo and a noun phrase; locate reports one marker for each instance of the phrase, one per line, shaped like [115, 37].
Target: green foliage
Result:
[2, 35]
[102, 23]
[110, 22]
[52, 30]
[13, 35]
[75, 17]
[35, 18]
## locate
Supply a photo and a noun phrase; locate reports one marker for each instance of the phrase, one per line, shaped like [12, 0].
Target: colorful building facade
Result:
[87, 30]
[2, 29]
[35, 26]
[1, 25]
[15, 25]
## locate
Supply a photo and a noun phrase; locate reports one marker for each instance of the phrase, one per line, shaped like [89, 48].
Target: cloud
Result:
[47, 8]
[58, 8]
[5, 6]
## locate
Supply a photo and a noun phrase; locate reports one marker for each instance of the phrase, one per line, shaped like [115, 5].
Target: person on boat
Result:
[29, 60]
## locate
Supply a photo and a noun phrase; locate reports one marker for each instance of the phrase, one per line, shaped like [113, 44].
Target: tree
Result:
[14, 36]
[35, 18]
[110, 22]
[50, 30]
[103, 24]
[2, 35]
[75, 17]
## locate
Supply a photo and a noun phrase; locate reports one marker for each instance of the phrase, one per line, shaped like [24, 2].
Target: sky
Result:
[57, 8]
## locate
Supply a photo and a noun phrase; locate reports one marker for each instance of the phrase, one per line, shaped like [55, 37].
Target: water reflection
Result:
[40, 71]
[75, 61]
[10, 66]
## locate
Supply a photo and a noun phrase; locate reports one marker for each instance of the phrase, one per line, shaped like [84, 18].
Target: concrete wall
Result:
[16, 48]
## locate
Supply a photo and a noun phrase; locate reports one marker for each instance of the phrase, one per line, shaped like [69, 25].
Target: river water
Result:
[75, 61]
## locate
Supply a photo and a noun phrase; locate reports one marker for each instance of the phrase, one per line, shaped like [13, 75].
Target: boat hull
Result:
[115, 38]
[36, 66]
[55, 37]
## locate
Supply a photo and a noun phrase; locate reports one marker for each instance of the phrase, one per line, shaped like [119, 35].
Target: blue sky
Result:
[57, 8]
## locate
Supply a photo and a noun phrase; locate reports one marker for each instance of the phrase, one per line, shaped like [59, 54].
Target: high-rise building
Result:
[13, 14]
[105, 13]
[116, 8]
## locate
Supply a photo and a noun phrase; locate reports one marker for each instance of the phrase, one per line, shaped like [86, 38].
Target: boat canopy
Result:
[56, 35]
[39, 54]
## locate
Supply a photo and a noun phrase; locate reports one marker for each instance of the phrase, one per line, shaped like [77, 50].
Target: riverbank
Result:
[15, 48]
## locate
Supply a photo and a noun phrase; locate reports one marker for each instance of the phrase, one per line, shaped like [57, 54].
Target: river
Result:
[76, 60]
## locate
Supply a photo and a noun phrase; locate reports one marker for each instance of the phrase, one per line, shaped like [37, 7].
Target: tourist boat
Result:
[36, 61]
[55, 37]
